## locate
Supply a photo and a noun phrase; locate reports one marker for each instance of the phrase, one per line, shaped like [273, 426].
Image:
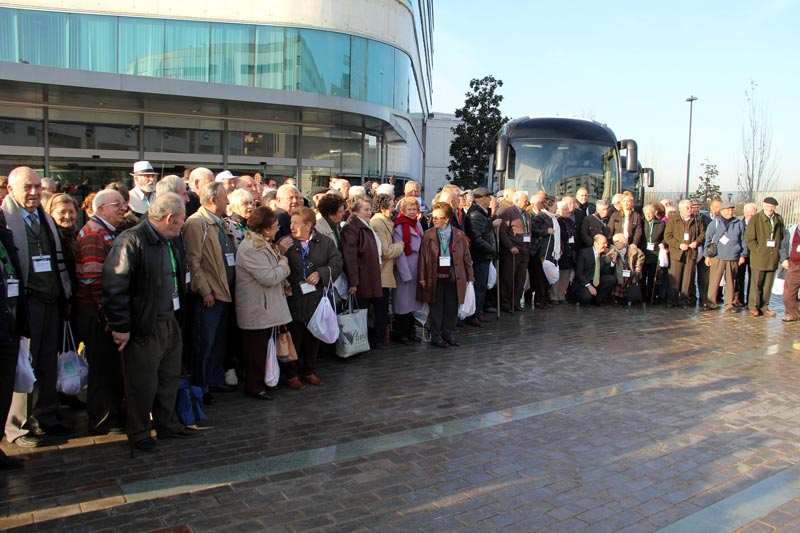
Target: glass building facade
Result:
[98, 132]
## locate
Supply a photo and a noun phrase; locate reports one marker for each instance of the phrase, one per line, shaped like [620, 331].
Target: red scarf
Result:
[408, 224]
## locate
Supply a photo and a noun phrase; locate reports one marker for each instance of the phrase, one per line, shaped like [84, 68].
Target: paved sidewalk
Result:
[577, 418]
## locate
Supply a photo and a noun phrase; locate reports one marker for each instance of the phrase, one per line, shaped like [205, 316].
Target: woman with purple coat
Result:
[407, 230]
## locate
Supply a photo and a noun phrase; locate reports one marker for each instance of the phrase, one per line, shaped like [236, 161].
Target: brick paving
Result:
[596, 419]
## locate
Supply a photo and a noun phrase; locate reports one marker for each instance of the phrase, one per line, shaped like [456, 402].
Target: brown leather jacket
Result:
[429, 262]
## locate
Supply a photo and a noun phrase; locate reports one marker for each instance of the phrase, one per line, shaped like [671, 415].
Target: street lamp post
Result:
[691, 100]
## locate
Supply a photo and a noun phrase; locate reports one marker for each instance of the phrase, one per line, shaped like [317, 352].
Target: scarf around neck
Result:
[407, 224]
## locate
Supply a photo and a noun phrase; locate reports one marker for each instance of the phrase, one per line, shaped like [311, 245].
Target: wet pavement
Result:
[571, 419]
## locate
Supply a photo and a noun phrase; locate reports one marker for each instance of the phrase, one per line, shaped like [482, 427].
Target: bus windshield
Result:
[561, 166]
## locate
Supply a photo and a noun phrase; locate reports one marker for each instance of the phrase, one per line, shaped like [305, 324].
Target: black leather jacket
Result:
[132, 280]
[483, 245]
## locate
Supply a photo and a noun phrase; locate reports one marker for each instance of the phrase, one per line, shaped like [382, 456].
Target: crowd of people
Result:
[194, 276]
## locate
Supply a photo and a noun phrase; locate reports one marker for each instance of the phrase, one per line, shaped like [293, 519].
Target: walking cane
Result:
[128, 420]
[513, 275]
[497, 269]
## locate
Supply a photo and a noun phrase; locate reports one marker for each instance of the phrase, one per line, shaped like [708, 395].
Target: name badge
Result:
[229, 257]
[651, 246]
[686, 236]
[12, 288]
[307, 287]
[724, 240]
[798, 249]
[41, 263]
[526, 238]
[770, 244]
[571, 240]
[188, 277]
[176, 302]
[444, 261]
[626, 273]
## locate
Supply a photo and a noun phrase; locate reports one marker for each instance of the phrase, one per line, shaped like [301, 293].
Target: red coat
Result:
[360, 255]
[429, 263]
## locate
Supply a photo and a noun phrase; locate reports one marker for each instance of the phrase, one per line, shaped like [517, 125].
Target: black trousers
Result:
[254, 354]
[681, 280]
[481, 271]
[512, 267]
[307, 346]
[443, 313]
[760, 288]
[607, 283]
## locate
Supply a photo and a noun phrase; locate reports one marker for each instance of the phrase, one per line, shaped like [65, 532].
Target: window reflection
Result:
[9, 37]
[186, 50]
[50, 51]
[93, 43]
[141, 47]
[232, 54]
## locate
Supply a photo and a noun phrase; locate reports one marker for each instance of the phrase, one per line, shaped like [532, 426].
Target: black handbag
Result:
[711, 249]
[634, 293]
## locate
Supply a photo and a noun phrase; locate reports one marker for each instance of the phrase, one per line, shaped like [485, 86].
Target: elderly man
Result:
[515, 249]
[682, 235]
[210, 252]
[288, 198]
[143, 287]
[583, 203]
[763, 237]
[483, 247]
[726, 234]
[651, 244]
[741, 292]
[174, 184]
[594, 272]
[616, 205]
[702, 269]
[43, 276]
[105, 391]
[595, 224]
[248, 183]
[144, 179]
[343, 187]
[198, 178]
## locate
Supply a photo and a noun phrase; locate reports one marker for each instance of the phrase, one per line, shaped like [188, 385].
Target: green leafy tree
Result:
[475, 136]
[708, 189]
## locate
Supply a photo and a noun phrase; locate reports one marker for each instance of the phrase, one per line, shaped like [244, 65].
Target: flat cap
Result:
[480, 192]
[770, 200]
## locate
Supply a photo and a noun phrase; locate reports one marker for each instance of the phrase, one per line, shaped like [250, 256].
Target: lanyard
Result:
[772, 226]
[174, 267]
[524, 222]
[105, 226]
[224, 236]
[651, 223]
[303, 253]
[444, 246]
[6, 261]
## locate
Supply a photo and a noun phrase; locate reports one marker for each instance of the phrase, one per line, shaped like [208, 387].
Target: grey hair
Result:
[385, 188]
[167, 204]
[169, 184]
[239, 197]
[209, 191]
[601, 203]
[102, 198]
[684, 203]
[202, 174]
[410, 184]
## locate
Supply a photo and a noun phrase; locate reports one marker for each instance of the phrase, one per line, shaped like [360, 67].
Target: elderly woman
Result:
[445, 267]
[240, 207]
[361, 251]
[626, 221]
[260, 296]
[408, 231]
[331, 212]
[313, 262]
[628, 265]
[566, 263]
[383, 207]
[64, 210]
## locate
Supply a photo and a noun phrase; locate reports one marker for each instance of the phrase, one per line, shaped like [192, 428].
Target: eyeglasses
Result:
[114, 204]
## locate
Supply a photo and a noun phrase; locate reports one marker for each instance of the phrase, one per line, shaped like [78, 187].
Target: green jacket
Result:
[759, 232]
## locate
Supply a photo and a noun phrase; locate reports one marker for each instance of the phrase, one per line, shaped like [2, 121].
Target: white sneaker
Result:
[230, 378]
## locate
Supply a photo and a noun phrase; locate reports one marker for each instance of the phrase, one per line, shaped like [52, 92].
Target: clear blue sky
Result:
[632, 65]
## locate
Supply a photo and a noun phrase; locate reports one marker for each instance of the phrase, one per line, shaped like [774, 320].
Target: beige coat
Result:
[260, 297]
[389, 250]
[204, 255]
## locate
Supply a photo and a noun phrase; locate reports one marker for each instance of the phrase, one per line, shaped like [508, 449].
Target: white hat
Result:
[142, 167]
[224, 175]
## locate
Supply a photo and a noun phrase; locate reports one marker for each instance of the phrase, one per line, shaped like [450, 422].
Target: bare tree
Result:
[760, 170]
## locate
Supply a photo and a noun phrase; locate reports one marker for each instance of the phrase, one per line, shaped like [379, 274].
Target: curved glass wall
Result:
[292, 59]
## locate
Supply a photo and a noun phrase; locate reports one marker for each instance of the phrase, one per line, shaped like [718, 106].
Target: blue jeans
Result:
[209, 334]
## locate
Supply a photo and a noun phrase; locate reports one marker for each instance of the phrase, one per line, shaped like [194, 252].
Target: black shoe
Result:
[73, 402]
[56, 431]
[208, 399]
[147, 445]
[185, 433]
[10, 463]
[439, 344]
[263, 395]
[507, 310]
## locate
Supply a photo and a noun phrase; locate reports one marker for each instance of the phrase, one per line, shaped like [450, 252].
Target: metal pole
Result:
[691, 100]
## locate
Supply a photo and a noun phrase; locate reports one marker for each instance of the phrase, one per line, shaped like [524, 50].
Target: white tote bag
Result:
[24, 379]
[352, 331]
[73, 371]
[468, 307]
[272, 371]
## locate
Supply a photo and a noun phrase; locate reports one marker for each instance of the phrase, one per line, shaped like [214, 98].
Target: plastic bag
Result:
[550, 271]
[663, 258]
[323, 324]
[353, 331]
[341, 286]
[189, 403]
[73, 371]
[492, 276]
[272, 371]
[468, 307]
[24, 380]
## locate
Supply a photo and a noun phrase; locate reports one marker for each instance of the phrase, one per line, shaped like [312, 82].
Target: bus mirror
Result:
[649, 179]
[631, 154]
[501, 154]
